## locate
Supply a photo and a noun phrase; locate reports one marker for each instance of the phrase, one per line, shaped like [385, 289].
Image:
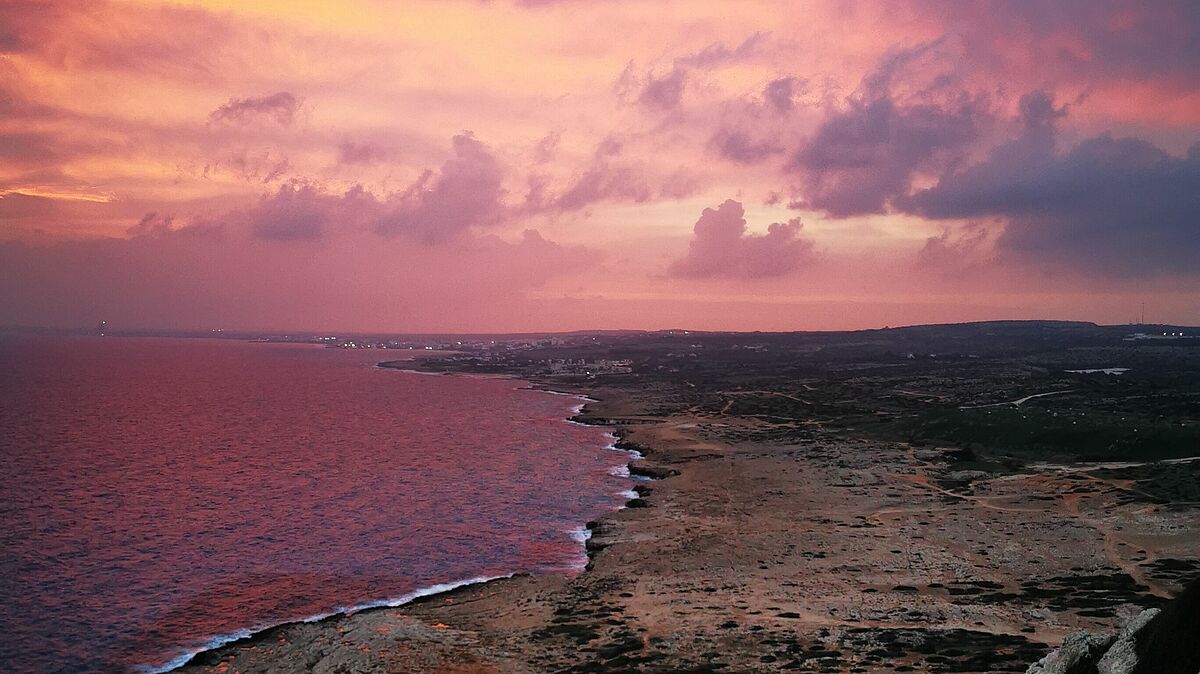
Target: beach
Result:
[813, 552]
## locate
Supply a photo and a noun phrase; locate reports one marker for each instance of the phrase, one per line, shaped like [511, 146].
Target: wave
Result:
[216, 642]
[580, 534]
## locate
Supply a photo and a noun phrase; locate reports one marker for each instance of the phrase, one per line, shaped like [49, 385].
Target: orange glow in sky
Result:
[509, 165]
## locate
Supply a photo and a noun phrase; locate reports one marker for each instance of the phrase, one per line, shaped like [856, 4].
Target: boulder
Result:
[651, 471]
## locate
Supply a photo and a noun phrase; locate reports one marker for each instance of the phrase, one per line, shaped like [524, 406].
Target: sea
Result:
[163, 496]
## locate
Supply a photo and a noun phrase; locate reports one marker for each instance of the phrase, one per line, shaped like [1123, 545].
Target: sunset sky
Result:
[475, 166]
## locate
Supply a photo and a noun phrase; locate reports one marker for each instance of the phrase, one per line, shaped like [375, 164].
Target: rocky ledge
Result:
[1157, 641]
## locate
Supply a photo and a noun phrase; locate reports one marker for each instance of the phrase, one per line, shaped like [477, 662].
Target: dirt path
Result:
[1015, 403]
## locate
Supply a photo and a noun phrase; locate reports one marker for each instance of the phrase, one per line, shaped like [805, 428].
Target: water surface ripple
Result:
[160, 493]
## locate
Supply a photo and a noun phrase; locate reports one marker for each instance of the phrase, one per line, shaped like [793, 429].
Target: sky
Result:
[546, 165]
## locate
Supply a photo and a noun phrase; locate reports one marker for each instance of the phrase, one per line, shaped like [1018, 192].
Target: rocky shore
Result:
[813, 552]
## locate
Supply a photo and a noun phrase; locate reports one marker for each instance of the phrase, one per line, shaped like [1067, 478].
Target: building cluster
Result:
[1137, 336]
[582, 366]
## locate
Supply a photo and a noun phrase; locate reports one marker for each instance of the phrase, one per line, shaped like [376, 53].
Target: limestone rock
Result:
[1087, 653]
[1122, 657]
[1078, 654]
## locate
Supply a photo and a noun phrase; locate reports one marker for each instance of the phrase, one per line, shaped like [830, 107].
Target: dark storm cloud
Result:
[1108, 205]
[868, 152]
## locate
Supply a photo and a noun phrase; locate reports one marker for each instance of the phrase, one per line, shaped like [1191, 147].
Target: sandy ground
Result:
[827, 555]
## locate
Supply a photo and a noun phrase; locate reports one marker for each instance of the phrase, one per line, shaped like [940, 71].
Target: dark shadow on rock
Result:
[1170, 644]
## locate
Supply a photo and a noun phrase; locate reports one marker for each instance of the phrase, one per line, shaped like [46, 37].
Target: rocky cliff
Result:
[1157, 641]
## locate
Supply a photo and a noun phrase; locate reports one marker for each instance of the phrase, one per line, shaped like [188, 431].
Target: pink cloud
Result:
[780, 93]
[607, 178]
[604, 182]
[467, 192]
[665, 92]
[740, 146]
[153, 224]
[361, 153]
[280, 107]
[225, 273]
[721, 247]
[955, 253]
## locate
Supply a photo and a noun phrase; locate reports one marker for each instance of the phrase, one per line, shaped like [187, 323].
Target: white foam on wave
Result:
[580, 534]
[576, 410]
[612, 444]
[620, 470]
[629, 494]
[185, 656]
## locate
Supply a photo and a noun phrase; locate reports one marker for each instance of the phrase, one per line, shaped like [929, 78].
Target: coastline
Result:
[250, 634]
[582, 535]
[826, 554]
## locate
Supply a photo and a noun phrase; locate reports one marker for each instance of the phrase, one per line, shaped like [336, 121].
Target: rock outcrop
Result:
[1078, 654]
[1165, 641]
[1122, 655]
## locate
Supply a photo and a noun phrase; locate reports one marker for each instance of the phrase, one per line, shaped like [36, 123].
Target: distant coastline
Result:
[788, 530]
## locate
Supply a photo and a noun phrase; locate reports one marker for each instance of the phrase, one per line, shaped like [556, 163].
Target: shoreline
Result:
[819, 554]
[581, 534]
[250, 634]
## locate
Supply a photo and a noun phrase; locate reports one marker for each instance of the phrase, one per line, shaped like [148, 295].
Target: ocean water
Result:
[159, 495]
